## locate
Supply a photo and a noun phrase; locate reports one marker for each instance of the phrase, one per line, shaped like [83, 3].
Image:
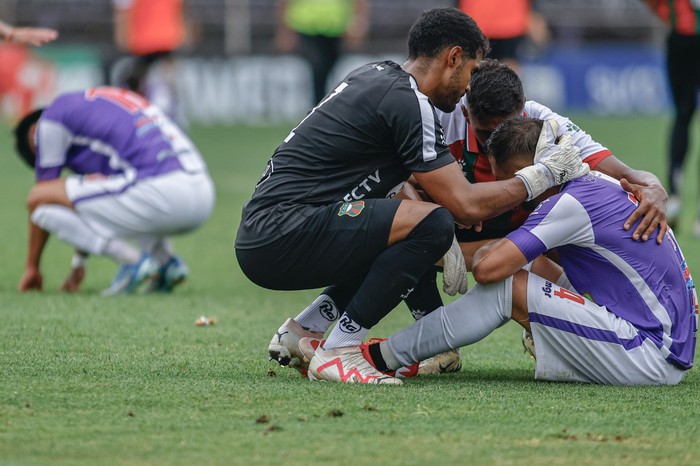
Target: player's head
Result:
[441, 28]
[449, 44]
[512, 145]
[24, 137]
[495, 94]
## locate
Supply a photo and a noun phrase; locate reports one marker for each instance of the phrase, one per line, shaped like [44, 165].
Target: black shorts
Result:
[336, 244]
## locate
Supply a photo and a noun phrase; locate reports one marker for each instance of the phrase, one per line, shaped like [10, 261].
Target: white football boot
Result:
[528, 343]
[346, 365]
[284, 346]
[449, 361]
[308, 347]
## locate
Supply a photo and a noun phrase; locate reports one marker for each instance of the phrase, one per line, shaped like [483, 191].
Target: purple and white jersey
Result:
[110, 131]
[642, 282]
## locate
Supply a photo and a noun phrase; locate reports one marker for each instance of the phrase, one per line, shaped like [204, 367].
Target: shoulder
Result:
[534, 109]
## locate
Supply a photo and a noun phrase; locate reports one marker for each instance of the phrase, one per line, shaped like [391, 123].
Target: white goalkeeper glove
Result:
[554, 163]
[454, 271]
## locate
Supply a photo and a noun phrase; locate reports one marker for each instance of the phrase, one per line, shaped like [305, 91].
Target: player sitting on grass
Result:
[634, 322]
[135, 176]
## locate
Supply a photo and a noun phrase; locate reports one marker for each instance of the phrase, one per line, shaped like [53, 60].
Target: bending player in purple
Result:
[633, 318]
[136, 176]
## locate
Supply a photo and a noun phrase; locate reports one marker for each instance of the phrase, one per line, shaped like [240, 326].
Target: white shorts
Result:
[577, 340]
[117, 207]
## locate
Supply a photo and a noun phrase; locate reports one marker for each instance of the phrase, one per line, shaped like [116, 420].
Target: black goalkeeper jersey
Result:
[362, 140]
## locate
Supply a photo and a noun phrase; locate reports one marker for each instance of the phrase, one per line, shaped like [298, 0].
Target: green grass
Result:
[131, 380]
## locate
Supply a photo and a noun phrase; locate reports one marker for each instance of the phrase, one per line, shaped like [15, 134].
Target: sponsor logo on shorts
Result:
[547, 289]
[348, 326]
[351, 209]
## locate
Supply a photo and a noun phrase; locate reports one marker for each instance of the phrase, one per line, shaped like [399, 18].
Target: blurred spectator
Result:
[507, 24]
[151, 30]
[316, 30]
[26, 35]
[683, 67]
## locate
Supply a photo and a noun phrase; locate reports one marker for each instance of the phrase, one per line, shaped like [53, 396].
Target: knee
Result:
[41, 216]
[49, 216]
[442, 228]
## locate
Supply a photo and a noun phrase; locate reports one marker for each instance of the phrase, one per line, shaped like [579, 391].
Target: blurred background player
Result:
[151, 31]
[683, 68]
[507, 24]
[26, 35]
[636, 324]
[317, 30]
[135, 176]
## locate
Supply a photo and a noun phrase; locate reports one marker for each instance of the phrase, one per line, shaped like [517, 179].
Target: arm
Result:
[32, 278]
[650, 192]
[44, 192]
[554, 164]
[497, 260]
[470, 203]
[26, 36]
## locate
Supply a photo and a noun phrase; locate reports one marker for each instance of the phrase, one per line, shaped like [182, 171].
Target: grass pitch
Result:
[131, 380]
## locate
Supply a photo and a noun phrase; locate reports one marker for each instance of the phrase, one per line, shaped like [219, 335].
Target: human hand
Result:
[31, 280]
[556, 161]
[651, 202]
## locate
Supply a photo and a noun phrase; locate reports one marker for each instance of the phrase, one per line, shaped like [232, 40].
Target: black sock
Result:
[425, 297]
[375, 353]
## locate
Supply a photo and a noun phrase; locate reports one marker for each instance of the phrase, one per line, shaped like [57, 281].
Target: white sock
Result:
[79, 260]
[346, 333]
[319, 315]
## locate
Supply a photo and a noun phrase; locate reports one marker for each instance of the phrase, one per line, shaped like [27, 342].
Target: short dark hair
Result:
[439, 28]
[515, 136]
[22, 145]
[495, 90]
